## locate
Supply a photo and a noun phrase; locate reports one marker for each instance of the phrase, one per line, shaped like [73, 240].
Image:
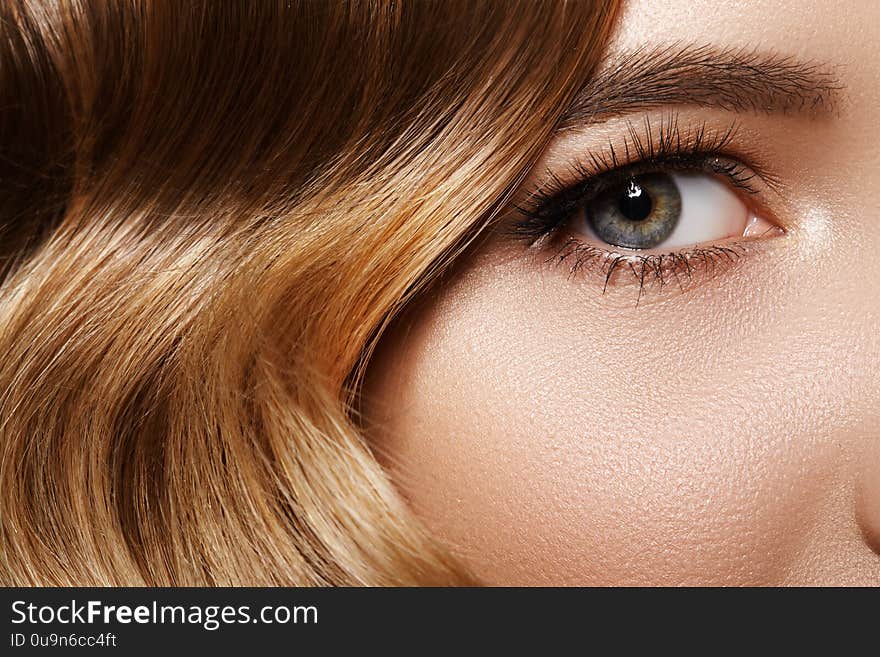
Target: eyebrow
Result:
[737, 80]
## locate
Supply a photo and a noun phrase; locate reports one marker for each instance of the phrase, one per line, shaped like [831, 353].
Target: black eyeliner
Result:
[699, 150]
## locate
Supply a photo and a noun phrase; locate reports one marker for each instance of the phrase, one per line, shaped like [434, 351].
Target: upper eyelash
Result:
[550, 204]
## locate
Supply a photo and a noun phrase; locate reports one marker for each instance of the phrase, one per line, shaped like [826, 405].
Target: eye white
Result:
[710, 210]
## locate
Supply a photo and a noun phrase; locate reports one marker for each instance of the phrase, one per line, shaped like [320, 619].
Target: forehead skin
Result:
[726, 435]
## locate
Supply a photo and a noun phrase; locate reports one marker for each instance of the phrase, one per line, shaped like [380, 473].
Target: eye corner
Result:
[758, 227]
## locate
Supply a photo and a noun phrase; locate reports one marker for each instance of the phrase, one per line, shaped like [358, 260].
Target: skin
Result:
[727, 433]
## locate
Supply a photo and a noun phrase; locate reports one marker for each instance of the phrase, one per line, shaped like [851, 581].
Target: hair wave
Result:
[208, 213]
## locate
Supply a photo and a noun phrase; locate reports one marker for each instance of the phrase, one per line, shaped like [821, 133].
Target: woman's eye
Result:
[662, 210]
[678, 208]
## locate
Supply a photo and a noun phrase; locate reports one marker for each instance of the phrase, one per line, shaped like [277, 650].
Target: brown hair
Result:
[210, 210]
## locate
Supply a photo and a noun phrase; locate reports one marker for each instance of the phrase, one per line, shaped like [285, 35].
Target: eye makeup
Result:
[617, 213]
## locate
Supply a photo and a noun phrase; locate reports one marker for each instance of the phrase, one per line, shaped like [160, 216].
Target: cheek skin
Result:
[550, 437]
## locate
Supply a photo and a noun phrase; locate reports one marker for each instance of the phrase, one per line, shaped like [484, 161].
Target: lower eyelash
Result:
[647, 270]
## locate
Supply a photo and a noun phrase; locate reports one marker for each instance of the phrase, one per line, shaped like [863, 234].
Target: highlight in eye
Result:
[640, 213]
[677, 205]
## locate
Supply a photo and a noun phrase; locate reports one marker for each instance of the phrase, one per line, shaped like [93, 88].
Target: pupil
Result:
[635, 203]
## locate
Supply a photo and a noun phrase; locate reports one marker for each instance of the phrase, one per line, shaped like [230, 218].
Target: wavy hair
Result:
[209, 211]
